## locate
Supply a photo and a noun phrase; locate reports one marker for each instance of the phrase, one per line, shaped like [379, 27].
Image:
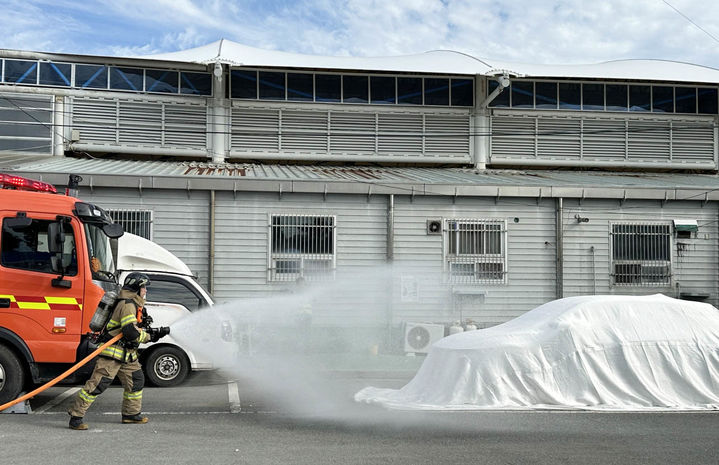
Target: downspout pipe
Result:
[560, 248]
[211, 264]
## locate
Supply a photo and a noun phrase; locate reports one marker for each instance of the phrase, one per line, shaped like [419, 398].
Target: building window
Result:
[195, 84]
[462, 92]
[272, 85]
[663, 99]
[542, 95]
[91, 76]
[436, 91]
[475, 251]
[137, 222]
[686, 99]
[300, 87]
[301, 246]
[522, 94]
[161, 81]
[409, 91]
[354, 89]
[55, 74]
[126, 79]
[328, 87]
[244, 84]
[21, 72]
[641, 254]
[382, 89]
[570, 96]
[546, 95]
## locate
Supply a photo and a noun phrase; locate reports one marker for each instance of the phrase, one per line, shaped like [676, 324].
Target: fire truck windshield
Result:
[100, 247]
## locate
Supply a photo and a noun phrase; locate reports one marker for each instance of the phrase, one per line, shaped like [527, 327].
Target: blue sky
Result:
[537, 31]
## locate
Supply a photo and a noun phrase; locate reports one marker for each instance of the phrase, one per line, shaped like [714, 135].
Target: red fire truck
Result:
[57, 265]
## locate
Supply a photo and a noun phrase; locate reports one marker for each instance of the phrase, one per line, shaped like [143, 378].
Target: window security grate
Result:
[302, 246]
[137, 222]
[475, 251]
[641, 254]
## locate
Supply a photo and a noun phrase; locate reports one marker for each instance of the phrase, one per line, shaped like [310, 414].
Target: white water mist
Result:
[291, 346]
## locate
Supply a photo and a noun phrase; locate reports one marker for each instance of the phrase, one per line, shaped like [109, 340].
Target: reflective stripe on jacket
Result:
[125, 319]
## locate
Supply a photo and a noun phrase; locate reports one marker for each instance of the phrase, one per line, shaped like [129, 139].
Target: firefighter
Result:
[121, 358]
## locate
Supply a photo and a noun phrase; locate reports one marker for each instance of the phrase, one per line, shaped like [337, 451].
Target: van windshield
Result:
[102, 252]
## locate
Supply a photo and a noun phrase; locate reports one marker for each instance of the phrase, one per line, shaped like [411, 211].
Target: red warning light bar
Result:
[18, 182]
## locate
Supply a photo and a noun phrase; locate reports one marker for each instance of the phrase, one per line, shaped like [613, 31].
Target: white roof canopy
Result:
[442, 62]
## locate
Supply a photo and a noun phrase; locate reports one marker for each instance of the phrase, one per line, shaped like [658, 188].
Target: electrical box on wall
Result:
[686, 229]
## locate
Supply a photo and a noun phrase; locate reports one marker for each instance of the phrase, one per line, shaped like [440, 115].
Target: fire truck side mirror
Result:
[55, 237]
[113, 230]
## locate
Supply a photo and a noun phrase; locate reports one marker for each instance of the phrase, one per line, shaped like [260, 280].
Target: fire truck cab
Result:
[58, 259]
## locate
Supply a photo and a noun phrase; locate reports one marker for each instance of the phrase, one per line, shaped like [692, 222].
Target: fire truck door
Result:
[43, 290]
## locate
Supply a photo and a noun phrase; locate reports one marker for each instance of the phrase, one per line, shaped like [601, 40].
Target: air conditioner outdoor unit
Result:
[418, 337]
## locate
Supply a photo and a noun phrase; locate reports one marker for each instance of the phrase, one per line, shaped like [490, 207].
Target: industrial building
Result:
[516, 184]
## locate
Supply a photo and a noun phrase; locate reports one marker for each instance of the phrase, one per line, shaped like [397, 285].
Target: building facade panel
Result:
[590, 264]
[180, 220]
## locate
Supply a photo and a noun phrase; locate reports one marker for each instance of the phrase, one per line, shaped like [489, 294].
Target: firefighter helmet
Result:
[135, 281]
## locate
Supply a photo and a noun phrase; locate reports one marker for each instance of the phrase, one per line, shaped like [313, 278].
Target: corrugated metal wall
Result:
[242, 247]
[695, 264]
[180, 220]
[530, 259]
[181, 224]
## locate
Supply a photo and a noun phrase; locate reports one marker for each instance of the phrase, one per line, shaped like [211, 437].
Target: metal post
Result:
[560, 249]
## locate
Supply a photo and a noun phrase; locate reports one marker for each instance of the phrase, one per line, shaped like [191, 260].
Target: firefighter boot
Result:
[77, 423]
[138, 418]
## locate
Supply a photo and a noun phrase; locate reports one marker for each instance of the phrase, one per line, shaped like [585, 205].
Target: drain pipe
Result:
[390, 259]
[390, 227]
[560, 249]
[211, 264]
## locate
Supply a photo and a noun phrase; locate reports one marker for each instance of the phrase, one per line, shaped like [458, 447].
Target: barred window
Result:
[137, 222]
[475, 251]
[301, 246]
[641, 254]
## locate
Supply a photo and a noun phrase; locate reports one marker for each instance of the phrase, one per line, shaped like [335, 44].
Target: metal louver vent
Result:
[582, 139]
[291, 130]
[135, 122]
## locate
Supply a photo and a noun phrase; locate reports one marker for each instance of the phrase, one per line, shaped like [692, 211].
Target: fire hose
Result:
[62, 376]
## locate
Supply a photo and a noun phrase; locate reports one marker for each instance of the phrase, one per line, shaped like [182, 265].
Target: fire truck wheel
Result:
[12, 377]
[166, 366]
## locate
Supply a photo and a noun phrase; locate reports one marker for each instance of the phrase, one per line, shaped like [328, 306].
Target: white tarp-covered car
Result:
[589, 352]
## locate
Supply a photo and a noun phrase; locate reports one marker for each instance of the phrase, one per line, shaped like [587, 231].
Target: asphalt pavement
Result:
[212, 420]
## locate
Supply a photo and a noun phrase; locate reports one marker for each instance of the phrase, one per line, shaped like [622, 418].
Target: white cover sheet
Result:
[588, 352]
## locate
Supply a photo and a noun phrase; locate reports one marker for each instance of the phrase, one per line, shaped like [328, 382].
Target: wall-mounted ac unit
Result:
[418, 337]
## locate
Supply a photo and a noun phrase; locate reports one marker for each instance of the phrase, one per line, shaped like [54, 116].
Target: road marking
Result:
[57, 400]
[233, 393]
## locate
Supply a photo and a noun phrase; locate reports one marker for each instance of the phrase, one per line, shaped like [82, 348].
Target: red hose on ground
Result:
[62, 376]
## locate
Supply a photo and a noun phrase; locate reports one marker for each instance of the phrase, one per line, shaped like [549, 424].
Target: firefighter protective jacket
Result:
[125, 319]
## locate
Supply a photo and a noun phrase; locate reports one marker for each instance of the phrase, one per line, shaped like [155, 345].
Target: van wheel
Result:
[12, 377]
[167, 366]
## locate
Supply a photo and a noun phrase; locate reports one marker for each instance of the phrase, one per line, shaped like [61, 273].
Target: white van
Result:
[173, 293]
